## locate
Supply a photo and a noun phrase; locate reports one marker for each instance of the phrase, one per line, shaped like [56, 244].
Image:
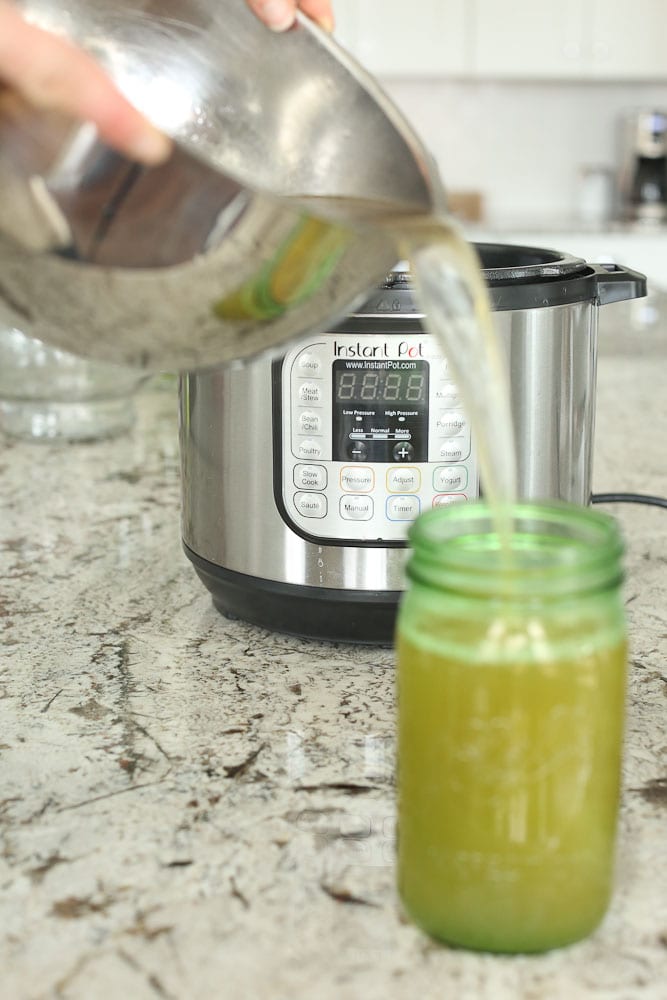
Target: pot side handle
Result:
[617, 284]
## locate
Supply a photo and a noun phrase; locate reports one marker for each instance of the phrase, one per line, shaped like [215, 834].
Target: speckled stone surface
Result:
[195, 808]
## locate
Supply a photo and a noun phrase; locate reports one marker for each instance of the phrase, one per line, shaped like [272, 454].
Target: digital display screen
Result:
[380, 410]
[381, 385]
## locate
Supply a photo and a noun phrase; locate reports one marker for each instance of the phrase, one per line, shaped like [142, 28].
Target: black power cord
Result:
[629, 498]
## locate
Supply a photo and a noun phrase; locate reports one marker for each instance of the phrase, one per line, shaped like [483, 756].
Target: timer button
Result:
[403, 452]
[311, 504]
[403, 480]
[403, 508]
[354, 508]
[359, 479]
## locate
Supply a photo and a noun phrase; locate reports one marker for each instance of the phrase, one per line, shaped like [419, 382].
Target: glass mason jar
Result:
[511, 674]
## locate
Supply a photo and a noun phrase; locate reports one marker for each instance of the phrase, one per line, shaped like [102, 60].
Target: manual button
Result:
[354, 508]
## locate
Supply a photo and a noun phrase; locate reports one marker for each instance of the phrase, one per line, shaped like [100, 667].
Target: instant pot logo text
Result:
[402, 349]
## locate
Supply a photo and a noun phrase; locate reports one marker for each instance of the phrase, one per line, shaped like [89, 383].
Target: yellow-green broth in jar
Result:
[511, 673]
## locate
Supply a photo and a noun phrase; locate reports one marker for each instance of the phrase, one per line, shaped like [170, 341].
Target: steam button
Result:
[455, 449]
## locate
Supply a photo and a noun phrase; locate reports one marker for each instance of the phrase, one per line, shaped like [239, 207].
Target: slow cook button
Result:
[309, 449]
[310, 423]
[357, 479]
[311, 504]
[310, 477]
[356, 508]
[450, 478]
[403, 480]
[402, 508]
[310, 393]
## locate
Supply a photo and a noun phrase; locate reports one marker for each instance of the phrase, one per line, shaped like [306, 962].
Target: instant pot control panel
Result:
[369, 431]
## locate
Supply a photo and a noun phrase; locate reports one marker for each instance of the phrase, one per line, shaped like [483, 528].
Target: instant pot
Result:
[301, 474]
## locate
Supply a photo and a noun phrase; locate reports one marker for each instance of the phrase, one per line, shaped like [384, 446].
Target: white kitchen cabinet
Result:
[528, 39]
[420, 38]
[627, 41]
[598, 39]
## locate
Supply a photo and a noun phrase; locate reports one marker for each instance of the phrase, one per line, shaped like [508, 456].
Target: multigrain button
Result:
[310, 477]
[402, 508]
[450, 478]
[311, 504]
[353, 508]
[448, 394]
[357, 479]
[403, 480]
[310, 393]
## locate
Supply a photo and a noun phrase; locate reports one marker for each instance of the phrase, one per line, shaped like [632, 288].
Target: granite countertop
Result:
[195, 808]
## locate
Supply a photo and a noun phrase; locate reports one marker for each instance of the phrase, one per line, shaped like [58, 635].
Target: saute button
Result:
[356, 508]
[309, 449]
[403, 508]
[357, 479]
[311, 504]
[450, 478]
[403, 480]
[310, 477]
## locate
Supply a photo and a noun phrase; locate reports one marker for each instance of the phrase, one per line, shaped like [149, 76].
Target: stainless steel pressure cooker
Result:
[302, 473]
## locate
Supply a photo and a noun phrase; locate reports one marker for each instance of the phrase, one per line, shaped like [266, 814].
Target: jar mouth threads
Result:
[553, 549]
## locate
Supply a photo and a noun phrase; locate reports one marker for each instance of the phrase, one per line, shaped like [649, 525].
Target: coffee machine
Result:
[642, 178]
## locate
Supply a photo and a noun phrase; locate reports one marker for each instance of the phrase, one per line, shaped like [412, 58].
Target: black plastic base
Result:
[362, 616]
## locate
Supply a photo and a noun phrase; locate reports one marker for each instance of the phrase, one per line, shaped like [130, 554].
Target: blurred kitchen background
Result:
[548, 121]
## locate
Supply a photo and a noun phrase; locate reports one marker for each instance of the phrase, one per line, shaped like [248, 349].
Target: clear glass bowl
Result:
[47, 394]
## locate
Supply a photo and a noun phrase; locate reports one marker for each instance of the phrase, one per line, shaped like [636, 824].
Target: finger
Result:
[277, 14]
[320, 11]
[52, 73]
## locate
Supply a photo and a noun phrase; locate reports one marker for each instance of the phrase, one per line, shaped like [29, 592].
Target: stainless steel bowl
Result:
[226, 250]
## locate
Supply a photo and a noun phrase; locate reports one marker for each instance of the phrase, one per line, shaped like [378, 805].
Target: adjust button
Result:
[403, 508]
[403, 480]
[310, 504]
[354, 508]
